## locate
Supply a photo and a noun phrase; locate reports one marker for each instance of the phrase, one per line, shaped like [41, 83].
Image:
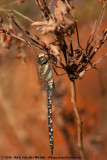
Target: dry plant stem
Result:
[23, 40]
[79, 121]
[5, 10]
[98, 61]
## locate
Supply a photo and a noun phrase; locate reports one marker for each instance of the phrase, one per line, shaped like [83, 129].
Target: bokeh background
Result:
[23, 100]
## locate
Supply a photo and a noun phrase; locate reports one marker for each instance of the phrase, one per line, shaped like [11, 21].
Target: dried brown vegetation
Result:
[74, 61]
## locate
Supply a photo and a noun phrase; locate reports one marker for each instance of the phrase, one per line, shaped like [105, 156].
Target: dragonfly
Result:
[45, 73]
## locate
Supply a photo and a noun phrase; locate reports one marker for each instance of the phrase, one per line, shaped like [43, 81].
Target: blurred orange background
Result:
[23, 100]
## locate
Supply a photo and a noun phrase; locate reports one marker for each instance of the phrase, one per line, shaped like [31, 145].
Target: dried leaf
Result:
[63, 14]
[46, 26]
[55, 50]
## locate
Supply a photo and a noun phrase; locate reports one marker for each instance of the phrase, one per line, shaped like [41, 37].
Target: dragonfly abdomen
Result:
[50, 120]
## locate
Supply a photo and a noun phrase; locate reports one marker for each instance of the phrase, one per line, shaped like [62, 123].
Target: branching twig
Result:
[18, 13]
[97, 26]
[98, 61]
[23, 40]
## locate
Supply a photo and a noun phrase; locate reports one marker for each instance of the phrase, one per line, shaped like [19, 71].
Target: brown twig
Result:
[23, 40]
[5, 10]
[79, 121]
[13, 18]
[97, 27]
[98, 61]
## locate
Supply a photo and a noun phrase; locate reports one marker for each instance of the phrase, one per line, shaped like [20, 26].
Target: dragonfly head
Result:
[43, 58]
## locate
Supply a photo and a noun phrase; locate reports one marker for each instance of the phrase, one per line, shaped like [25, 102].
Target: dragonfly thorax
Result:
[42, 58]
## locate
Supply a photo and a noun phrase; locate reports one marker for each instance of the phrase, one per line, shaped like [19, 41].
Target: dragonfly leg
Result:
[57, 73]
[59, 67]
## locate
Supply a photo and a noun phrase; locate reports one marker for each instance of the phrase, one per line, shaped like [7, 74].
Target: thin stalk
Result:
[79, 121]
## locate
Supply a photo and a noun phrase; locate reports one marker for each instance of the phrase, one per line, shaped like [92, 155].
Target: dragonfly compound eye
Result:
[42, 58]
